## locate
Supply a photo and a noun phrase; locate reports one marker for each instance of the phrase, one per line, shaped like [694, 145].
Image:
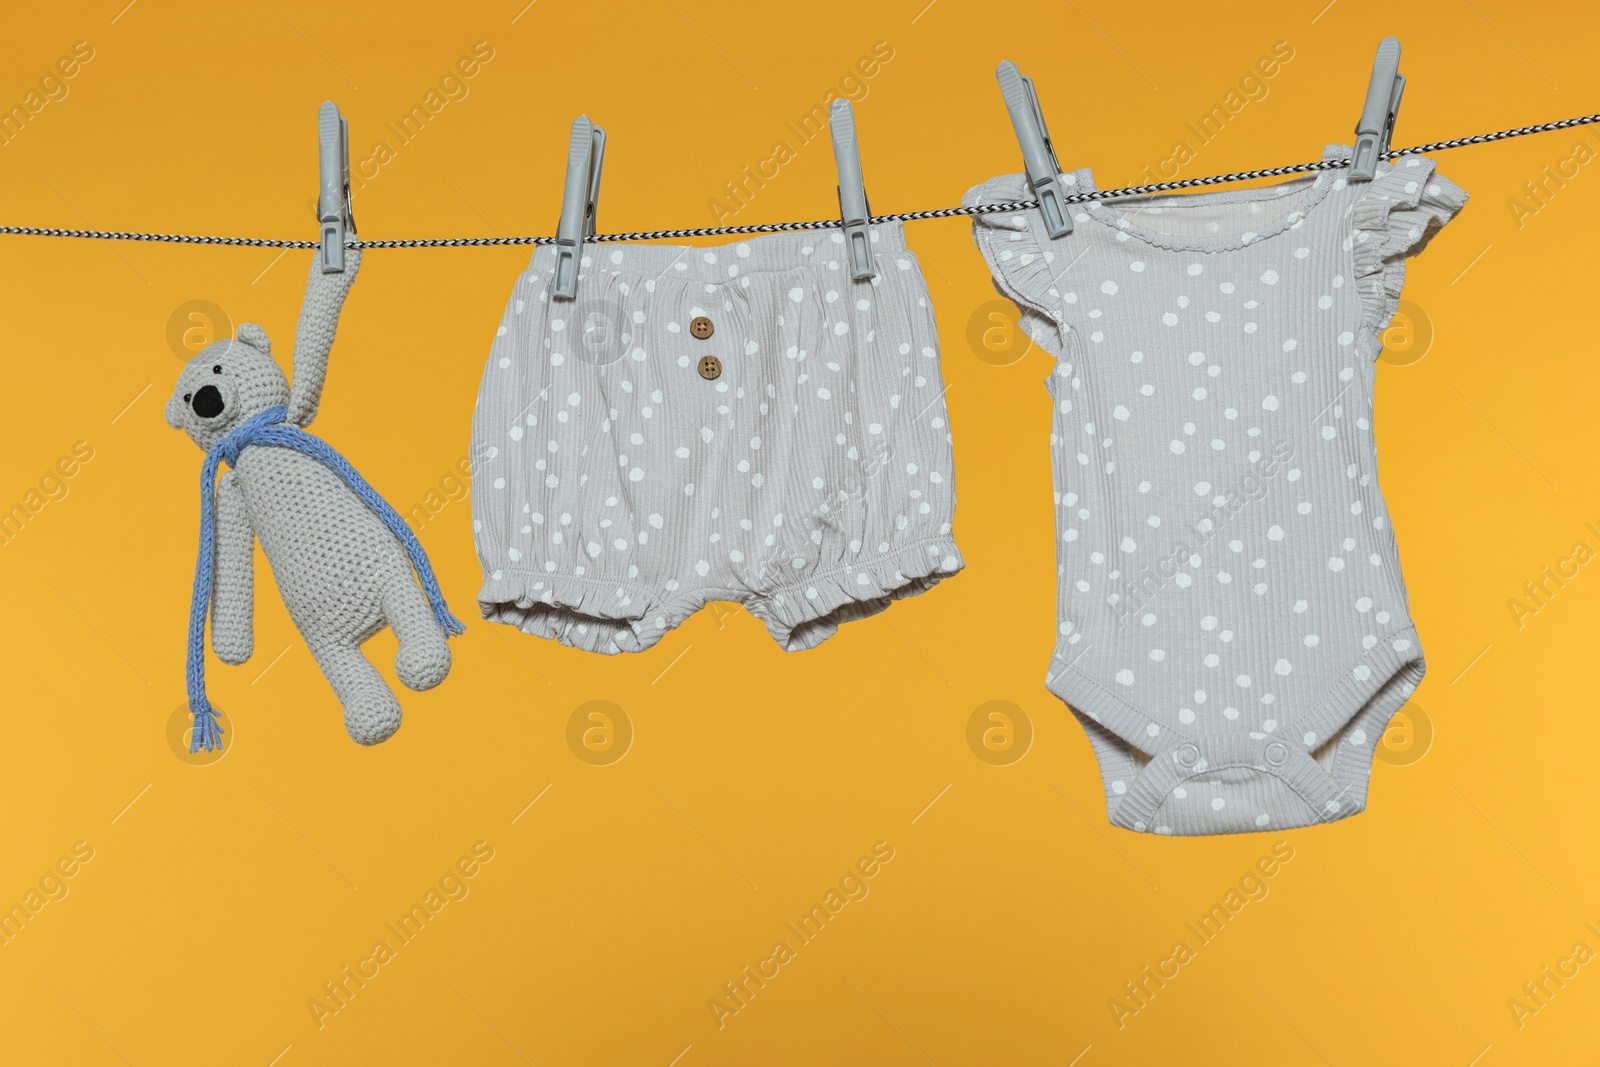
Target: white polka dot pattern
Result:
[1233, 627]
[616, 489]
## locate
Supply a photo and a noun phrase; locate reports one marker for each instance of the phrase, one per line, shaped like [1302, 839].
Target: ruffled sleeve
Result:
[1020, 257]
[1397, 215]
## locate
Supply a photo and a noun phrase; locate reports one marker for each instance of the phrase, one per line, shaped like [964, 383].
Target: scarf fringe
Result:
[207, 732]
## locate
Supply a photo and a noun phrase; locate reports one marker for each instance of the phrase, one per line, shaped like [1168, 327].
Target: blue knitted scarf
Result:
[270, 429]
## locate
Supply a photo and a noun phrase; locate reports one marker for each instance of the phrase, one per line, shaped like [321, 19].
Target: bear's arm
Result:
[313, 338]
[233, 576]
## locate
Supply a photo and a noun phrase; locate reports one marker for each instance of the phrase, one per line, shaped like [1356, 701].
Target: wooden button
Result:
[710, 368]
[701, 327]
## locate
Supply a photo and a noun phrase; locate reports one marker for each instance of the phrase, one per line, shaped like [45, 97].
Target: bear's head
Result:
[226, 384]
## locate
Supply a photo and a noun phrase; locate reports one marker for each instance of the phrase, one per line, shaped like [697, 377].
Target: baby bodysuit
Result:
[1233, 627]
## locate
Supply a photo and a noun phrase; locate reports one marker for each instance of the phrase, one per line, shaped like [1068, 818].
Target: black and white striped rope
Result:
[818, 224]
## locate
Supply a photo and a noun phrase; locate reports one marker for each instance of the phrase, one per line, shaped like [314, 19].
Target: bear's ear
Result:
[255, 337]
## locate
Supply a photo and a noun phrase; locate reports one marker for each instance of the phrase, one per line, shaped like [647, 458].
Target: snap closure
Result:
[710, 368]
[701, 327]
[1187, 755]
[1277, 753]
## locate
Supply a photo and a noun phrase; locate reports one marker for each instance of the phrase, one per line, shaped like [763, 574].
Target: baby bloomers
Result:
[743, 422]
[1233, 626]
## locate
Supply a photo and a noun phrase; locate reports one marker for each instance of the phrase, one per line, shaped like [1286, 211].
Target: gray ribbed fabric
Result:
[1234, 633]
[616, 491]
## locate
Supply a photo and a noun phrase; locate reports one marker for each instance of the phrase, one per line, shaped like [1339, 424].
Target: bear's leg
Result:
[424, 656]
[371, 713]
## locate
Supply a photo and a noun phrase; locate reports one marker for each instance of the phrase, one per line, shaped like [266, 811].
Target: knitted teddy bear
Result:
[342, 557]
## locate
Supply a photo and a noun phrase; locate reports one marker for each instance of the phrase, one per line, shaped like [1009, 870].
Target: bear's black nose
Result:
[208, 402]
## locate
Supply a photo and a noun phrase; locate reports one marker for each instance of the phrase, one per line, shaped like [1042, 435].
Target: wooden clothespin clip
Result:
[586, 154]
[1379, 112]
[1038, 153]
[853, 207]
[333, 199]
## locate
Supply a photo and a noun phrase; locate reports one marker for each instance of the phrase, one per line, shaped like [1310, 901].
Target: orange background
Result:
[219, 899]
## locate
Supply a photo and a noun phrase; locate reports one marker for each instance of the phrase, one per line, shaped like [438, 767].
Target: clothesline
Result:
[819, 224]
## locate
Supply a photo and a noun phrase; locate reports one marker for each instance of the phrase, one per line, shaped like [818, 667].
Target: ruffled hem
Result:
[1396, 216]
[805, 614]
[584, 613]
[609, 617]
[1019, 256]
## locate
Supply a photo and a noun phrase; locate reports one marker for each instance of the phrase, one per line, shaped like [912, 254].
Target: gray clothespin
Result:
[853, 207]
[586, 154]
[1038, 154]
[1378, 114]
[333, 199]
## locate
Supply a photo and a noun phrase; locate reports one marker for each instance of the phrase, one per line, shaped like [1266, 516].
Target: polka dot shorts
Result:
[742, 423]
